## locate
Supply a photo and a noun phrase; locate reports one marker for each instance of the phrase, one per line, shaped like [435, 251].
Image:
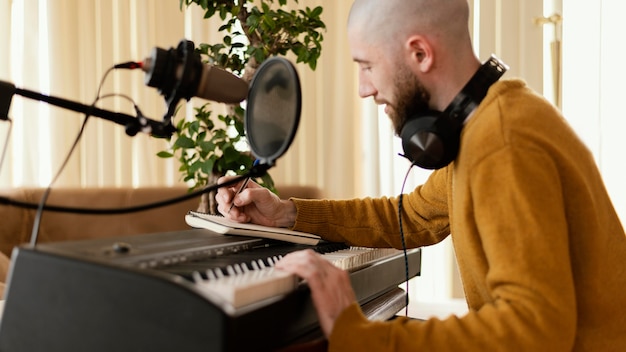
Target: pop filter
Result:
[273, 109]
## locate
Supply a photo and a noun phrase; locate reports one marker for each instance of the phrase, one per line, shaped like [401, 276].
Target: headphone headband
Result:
[476, 89]
[431, 139]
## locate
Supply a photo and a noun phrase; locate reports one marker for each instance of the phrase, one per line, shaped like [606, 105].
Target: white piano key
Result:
[241, 290]
[230, 270]
[218, 273]
[238, 269]
[197, 277]
[244, 287]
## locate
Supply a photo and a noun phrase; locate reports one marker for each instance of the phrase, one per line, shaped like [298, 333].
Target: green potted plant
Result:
[211, 145]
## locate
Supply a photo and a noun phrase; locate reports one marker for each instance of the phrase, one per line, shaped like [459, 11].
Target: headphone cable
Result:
[406, 259]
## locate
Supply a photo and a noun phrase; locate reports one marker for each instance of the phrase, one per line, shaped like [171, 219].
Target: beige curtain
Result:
[64, 47]
[5, 70]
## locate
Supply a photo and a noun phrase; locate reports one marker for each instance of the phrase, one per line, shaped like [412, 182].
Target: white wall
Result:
[593, 85]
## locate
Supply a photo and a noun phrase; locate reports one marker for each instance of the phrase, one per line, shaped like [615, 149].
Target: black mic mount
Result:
[132, 124]
[175, 73]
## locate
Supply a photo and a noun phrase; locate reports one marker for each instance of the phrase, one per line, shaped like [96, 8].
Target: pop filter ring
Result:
[257, 86]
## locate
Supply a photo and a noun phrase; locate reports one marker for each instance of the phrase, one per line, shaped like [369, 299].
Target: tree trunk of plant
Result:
[208, 205]
[251, 66]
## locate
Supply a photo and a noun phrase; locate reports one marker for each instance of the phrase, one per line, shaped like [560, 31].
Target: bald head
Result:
[392, 21]
[426, 40]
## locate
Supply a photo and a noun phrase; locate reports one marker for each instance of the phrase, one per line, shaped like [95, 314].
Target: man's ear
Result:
[421, 52]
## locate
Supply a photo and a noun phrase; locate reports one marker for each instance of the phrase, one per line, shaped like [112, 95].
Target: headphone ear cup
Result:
[430, 141]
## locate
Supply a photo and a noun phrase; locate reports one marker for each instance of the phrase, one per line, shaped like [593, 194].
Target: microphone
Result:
[180, 73]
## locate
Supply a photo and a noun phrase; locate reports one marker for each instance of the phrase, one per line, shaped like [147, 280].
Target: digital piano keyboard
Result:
[180, 291]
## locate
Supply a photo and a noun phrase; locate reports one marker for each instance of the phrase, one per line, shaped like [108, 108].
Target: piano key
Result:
[242, 290]
[210, 275]
[239, 290]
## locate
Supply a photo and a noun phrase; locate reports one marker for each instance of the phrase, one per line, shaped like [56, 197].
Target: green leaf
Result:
[207, 166]
[316, 12]
[196, 166]
[207, 146]
[223, 13]
[185, 142]
[252, 21]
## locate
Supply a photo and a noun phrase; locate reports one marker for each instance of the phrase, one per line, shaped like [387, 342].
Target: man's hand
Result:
[330, 286]
[254, 204]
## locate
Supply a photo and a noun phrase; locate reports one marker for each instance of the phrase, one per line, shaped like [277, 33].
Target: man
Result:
[541, 251]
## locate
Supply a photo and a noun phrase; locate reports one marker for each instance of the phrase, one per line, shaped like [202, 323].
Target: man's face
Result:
[387, 78]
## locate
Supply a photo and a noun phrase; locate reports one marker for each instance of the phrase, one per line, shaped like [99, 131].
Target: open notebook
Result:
[220, 224]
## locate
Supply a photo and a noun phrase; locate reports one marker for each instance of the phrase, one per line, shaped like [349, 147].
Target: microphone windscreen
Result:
[221, 86]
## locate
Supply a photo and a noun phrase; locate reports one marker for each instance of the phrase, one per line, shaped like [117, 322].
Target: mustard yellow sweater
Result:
[541, 251]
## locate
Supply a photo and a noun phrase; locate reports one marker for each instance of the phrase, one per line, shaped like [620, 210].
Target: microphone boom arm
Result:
[132, 124]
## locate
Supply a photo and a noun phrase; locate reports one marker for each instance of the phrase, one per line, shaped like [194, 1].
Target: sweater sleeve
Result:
[374, 222]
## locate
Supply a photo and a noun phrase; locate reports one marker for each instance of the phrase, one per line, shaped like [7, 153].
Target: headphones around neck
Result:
[431, 139]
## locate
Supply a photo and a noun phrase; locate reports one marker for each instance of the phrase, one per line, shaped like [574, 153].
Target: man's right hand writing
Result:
[254, 204]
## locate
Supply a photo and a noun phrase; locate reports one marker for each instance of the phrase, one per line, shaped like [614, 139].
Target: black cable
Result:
[95, 100]
[138, 112]
[406, 259]
[132, 209]
[120, 95]
[38, 215]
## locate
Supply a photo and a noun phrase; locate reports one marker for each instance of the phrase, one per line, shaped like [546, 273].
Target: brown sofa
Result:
[17, 223]
[56, 226]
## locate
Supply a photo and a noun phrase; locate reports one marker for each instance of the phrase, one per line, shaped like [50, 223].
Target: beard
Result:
[411, 98]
